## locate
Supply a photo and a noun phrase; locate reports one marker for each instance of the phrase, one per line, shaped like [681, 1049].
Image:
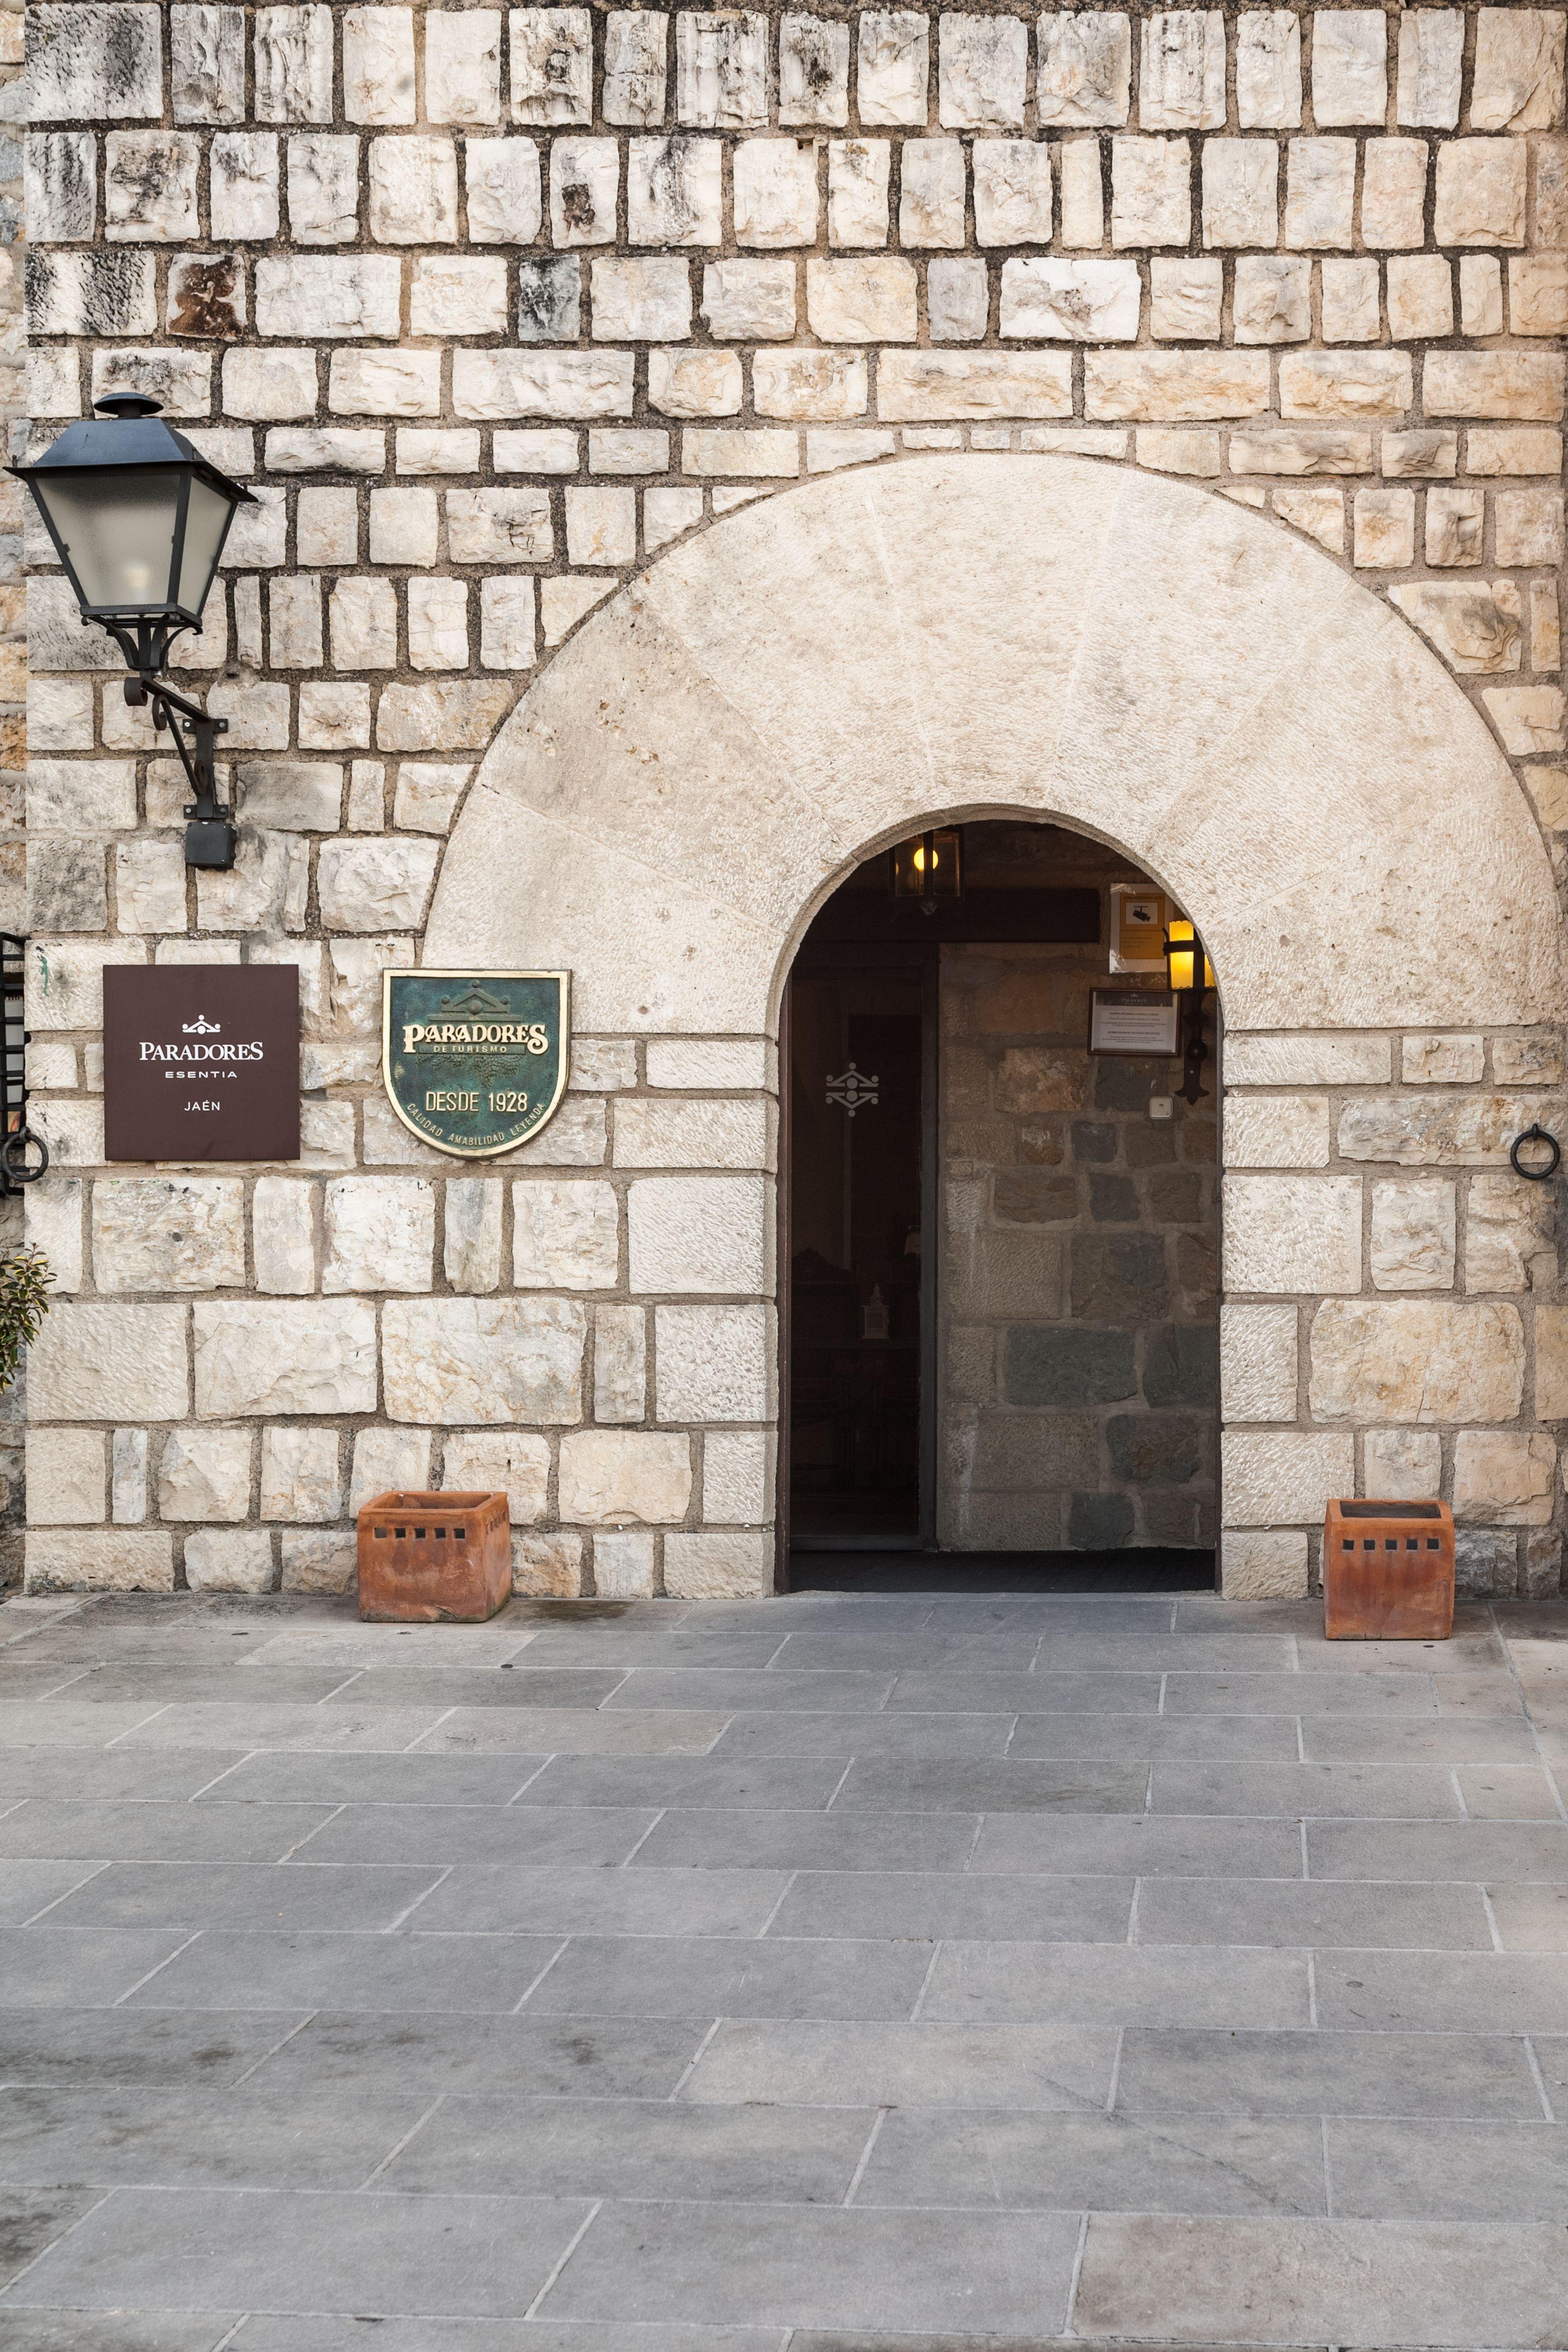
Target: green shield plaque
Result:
[474, 1062]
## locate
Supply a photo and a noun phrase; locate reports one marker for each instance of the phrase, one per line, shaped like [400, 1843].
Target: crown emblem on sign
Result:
[476, 1000]
[200, 1027]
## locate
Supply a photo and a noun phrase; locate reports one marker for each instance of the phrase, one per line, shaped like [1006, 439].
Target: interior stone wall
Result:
[502, 313]
[1080, 1263]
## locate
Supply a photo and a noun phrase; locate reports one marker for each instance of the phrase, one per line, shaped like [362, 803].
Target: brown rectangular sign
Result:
[201, 1061]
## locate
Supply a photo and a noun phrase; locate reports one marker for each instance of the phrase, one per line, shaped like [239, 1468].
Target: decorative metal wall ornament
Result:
[15, 1172]
[474, 1063]
[853, 1090]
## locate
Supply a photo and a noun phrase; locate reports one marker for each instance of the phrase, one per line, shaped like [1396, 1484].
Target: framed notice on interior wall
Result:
[1133, 1021]
[201, 1061]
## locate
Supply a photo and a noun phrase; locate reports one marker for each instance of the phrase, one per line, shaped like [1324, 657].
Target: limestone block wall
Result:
[492, 308]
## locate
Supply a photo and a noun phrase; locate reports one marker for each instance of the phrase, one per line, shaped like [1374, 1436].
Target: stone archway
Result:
[1147, 662]
[1153, 665]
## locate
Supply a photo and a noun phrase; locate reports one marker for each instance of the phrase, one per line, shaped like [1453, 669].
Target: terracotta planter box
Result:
[1388, 1571]
[423, 1556]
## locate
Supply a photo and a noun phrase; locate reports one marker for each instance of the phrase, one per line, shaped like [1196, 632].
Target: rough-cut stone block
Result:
[380, 1234]
[718, 1566]
[1241, 191]
[1439, 1061]
[109, 1363]
[814, 70]
[375, 886]
[1528, 718]
[551, 66]
[1185, 298]
[853, 301]
[1518, 83]
[101, 64]
[713, 1363]
[624, 1566]
[1415, 1360]
[1412, 1231]
[1292, 1233]
[255, 1357]
[1503, 1477]
[1180, 78]
[1345, 383]
[737, 1477]
[506, 1461]
[1150, 190]
[483, 1361]
[462, 65]
[918, 386]
[500, 385]
[1480, 192]
[636, 49]
[1431, 67]
[722, 70]
[1257, 1363]
[328, 295]
[1272, 300]
[809, 383]
[108, 1560]
[699, 1234]
[168, 1232]
[1268, 70]
[1420, 296]
[292, 58]
[1275, 1132]
[857, 180]
[694, 382]
[892, 65]
[565, 1236]
[610, 1478]
[387, 1461]
[776, 194]
[1071, 301]
[1475, 625]
[1256, 1565]
[1319, 192]
[1441, 1131]
[67, 1478]
[323, 1563]
[204, 1474]
[378, 65]
[1404, 1465]
[1510, 1232]
[1084, 71]
[231, 1560]
[673, 190]
[984, 61]
[1175, 387]
[931, 204]
[958, 301]
[301, 1475]
[1283, 1477]
[1011, 192]
[1350, 68]
[547, 1566]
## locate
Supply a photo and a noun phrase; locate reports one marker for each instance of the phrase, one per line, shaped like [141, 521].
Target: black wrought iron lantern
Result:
[139, 519]
[1190, 976]
[930, 867]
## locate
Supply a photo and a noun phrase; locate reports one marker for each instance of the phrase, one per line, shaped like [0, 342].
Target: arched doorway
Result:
[973, 637]
[998, 1225]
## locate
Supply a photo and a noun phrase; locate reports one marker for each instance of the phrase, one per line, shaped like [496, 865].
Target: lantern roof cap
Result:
[130, 430]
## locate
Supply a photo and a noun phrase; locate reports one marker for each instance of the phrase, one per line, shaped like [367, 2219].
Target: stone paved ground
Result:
[813, 1974]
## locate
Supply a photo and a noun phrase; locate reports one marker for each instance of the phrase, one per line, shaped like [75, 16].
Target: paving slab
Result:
[1193, 2164]
[1444, 1992]
[1054, 2068]
[794, 2267]
[845, 1736]
[1096, 1984]
[592, 2056]
[118, 2047]
[1350, 2283]
[117, 2331]
[569, 1731]
[252, 2137]
[155, 1830]
[620, 2147]
[402, 1975]
[289, 2251]
[1325, 2073]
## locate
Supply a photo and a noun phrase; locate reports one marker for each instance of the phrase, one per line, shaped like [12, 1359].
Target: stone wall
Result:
[1078, 1295]
[491, 308]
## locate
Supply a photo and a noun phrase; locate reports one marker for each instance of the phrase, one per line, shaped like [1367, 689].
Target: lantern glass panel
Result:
[206, 522]
[116, 532]
[929, 867]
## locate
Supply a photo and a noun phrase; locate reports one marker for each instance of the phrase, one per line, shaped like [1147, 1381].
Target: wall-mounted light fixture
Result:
[1190, 976]
[930, 867]
[139, 519]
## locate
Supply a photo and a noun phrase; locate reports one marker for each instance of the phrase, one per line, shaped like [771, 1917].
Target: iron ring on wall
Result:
[1536, 1134]
[13, 1166]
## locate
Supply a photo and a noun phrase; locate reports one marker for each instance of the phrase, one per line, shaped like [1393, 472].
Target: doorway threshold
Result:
[857, 1569]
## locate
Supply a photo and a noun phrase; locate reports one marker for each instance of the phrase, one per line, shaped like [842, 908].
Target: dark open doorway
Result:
[999, 1319]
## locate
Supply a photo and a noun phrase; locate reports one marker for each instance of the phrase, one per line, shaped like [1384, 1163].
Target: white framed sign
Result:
[1141, 1021]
